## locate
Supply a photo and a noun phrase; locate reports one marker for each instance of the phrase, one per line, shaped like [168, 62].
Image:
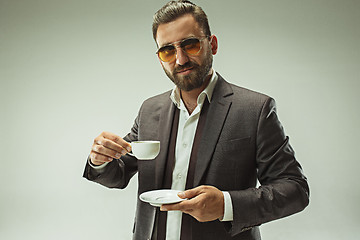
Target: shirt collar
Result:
[207, 92]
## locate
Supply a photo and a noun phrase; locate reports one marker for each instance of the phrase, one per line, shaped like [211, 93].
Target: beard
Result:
[193, 80]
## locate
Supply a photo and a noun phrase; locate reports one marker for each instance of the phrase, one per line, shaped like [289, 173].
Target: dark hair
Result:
[175, 9]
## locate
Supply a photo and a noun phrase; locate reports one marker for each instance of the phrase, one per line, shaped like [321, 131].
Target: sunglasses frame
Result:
[178, 44]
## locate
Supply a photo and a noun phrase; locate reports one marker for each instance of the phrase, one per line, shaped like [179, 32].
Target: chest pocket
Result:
[234, 144]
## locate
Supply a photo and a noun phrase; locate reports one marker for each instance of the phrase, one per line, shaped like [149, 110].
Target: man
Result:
[217, 140]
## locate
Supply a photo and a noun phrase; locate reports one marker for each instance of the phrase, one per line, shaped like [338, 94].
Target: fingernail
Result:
[117, 155]
[110, 159]
[123, 152]
[163, 208]
[128, 149]
[181, 194]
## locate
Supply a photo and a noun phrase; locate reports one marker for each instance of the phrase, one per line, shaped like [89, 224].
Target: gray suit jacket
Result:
[242, 141]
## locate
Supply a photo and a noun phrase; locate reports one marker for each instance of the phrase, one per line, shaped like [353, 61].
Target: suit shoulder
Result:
[250, 97]
[157, 101]
[248, 93]
[241, 93]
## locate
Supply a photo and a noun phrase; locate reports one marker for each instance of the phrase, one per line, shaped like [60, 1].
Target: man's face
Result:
[188, 72]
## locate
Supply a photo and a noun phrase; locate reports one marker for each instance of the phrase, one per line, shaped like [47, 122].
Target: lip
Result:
[185, 71]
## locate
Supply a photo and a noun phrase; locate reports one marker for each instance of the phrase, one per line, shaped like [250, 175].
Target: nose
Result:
[181, 56]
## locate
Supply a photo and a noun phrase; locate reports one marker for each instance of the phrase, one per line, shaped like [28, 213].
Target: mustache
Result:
[185, 66]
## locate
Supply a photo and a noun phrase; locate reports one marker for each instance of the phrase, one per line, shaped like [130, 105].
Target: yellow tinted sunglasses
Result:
[191, 46]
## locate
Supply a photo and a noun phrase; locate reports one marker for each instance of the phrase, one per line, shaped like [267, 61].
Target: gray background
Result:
[71, 69]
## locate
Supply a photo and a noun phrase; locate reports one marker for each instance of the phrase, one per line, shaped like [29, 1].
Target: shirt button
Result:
[184, 145]
[179, 176]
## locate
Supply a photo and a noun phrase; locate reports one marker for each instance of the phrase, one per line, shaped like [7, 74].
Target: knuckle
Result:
[116, 138]
[203, 206]
[105, 143]
[97, 157]
[94, 156]
[95, 148]
[99, 148]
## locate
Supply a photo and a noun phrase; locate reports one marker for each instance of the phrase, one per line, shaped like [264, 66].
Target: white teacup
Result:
[145, 150]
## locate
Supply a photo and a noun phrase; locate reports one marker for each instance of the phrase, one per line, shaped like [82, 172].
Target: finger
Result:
[171, 207]
[97, 163]
[118, 140]
[99, 159]
[184, 206]
[111, 145]
[191, 192]
[107, 151]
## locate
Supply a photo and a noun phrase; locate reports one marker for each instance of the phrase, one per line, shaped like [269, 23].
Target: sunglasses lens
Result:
[191, 46]
[167, 53]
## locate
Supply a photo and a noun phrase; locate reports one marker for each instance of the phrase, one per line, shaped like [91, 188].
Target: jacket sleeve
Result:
[283, 187]
[117, 173]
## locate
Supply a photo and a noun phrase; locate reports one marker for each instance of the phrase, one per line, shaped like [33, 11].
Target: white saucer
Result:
[158, 197]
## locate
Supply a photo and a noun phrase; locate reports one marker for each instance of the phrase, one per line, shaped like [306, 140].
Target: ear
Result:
[214, 44]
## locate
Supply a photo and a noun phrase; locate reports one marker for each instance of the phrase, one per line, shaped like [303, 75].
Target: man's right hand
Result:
[108, 146]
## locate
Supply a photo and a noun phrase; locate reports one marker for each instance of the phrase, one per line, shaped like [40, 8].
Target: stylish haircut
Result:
[175, 9]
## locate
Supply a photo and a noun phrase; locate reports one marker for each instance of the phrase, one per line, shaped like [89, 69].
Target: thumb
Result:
[190, 193]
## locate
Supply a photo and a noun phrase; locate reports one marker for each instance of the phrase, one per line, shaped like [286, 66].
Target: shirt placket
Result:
[183, 151]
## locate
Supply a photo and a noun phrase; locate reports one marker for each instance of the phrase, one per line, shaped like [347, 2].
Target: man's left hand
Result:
[205, 203]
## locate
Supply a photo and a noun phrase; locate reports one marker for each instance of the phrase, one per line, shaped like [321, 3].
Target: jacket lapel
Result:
[165, 124]
[217, 113]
